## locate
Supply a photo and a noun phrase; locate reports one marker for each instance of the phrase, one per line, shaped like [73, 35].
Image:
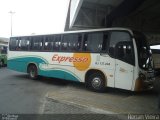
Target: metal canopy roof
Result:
[82, 12]
[145, 18]
[113, 3]
[142, 15]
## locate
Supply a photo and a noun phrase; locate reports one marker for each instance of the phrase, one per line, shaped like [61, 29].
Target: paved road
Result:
[19, 94]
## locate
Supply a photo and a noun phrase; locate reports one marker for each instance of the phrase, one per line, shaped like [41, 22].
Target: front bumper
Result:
[148, 84]
[145, 83]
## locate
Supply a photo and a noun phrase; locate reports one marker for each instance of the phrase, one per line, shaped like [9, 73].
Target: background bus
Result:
[112, 57]
[3, 54]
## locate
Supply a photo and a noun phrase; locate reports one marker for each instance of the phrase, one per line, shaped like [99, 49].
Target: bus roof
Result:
[80, 31]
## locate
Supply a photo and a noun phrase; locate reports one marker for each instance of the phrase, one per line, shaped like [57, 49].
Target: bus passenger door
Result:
[124, 65]
[121, 49]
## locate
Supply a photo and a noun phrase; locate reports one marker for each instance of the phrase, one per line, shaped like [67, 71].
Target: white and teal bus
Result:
[111, 57]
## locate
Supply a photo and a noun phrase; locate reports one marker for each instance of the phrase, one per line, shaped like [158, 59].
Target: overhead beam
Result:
[147, 6]
[125, 8]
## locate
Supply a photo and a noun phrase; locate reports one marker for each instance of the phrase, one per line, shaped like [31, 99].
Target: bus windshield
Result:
[144, 52]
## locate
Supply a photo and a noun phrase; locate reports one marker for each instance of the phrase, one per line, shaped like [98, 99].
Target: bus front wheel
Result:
[33, 73]
[96, 82]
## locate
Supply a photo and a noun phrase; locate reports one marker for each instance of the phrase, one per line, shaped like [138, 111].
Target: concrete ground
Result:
[25, 99]
[113, 101]
[69, 100]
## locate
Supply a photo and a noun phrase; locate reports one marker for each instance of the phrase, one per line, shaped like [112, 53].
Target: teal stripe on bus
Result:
[20, 64]
[58, 74]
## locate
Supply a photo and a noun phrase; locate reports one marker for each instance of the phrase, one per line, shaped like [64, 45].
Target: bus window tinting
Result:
[71, 42]
[37, 43]
[95, 42]
[57, 42]
[24, 43]
[13, 44]
[121, 46]
[48, 43]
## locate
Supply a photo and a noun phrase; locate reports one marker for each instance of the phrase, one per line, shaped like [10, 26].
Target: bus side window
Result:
[57, 43]
[65, 42]
[24, 44]
[115, 38]
[71, 42]
[93, 42]
[48, 43]
[13, 43]
[37, 43]
[121, 47]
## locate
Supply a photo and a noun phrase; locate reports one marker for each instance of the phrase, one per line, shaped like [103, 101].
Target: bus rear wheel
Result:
[33, 73]
[96, 82]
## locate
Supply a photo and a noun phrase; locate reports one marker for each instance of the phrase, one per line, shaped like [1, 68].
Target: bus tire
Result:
[96, 82]
[33, 72]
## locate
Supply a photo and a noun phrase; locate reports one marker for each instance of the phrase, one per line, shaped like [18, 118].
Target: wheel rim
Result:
[32, 73]
[96, 82]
